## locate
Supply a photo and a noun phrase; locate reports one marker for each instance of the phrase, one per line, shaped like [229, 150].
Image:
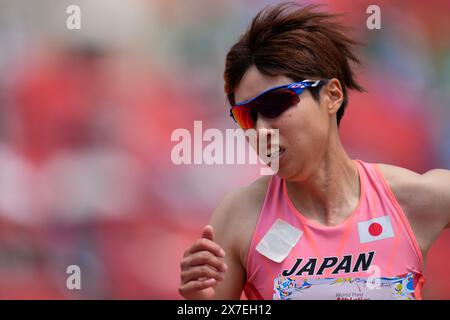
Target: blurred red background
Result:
[86, 118]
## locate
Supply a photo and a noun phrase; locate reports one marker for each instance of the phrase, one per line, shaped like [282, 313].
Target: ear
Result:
[334, 94]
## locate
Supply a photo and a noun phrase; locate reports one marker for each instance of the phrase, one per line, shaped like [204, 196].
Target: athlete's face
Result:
[304, 129]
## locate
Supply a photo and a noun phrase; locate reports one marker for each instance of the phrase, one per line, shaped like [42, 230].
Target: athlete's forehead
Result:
[254, 82]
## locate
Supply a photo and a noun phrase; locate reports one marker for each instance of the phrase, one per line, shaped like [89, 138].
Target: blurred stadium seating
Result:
[86, 118]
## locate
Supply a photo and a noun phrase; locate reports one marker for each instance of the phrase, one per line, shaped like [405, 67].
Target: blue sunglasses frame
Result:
[296, 87]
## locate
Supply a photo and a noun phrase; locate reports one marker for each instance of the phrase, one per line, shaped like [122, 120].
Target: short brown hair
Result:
[298, 42]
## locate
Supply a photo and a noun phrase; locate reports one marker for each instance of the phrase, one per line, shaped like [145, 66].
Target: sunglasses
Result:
[270, 103]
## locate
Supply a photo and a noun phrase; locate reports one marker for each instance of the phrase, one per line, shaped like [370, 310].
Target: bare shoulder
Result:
[404, 183]
[237, 203]
[425, 199]
[236, 216]
[422, 190]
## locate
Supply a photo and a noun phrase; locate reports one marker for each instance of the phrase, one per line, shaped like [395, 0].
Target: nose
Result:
[265, 133]
[264, 127]
[263, 123]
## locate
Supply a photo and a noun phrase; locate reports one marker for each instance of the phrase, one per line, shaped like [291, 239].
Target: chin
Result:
[283, 173]
[290, 173]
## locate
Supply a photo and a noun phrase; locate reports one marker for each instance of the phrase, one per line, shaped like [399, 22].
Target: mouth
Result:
[276, 153]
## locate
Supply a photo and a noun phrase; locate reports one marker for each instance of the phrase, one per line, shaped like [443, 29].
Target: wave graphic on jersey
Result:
[384, 288]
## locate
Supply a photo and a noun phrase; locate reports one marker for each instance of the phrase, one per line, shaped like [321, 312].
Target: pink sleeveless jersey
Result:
[373, 254]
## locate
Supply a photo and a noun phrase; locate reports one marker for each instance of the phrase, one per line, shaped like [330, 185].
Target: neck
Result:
[330, 193]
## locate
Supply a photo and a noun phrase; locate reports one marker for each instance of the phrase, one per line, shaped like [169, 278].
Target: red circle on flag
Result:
[375, 229]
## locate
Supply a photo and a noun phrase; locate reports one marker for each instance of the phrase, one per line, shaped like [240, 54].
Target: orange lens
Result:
[270, 105]
[243, 117]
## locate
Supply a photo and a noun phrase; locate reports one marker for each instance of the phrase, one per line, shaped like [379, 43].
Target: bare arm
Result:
[232, 225]
[223, 223]
[425, 199]
[211, 268]
[437, 181]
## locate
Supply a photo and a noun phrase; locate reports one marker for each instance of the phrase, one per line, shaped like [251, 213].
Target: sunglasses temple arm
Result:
[232, 116]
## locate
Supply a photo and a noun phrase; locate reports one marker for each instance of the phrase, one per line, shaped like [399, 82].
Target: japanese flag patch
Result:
[375, 229]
